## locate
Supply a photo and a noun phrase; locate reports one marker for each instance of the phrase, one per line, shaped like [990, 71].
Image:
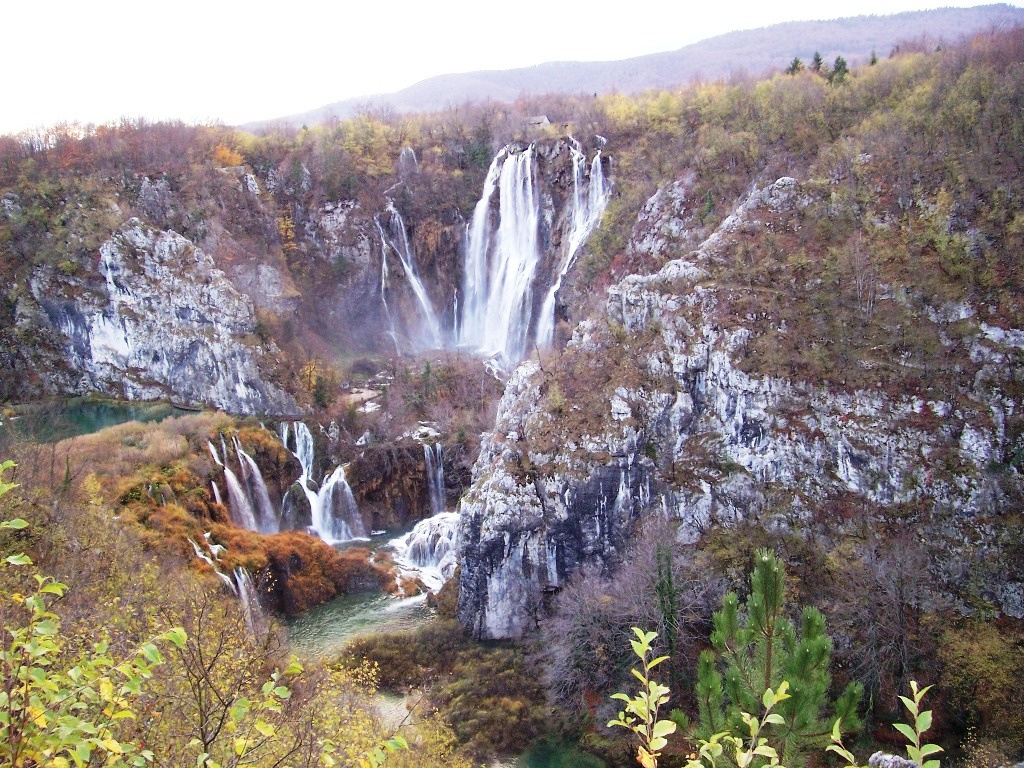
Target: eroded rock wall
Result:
[649, 412]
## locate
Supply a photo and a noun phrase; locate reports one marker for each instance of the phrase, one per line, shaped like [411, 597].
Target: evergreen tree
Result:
[756, 647]
[839, 71]
[796, 65]
[817, 62]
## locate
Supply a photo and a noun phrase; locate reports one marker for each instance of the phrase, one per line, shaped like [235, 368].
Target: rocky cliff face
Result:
[650, 412]
[156, 319]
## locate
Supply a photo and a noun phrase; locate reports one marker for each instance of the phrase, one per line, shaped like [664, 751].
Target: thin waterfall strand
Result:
[433, 457]
[585, 213]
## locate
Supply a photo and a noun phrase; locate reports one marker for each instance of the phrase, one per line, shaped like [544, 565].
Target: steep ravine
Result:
[649, 412]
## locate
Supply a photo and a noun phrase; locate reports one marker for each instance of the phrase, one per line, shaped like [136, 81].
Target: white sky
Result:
[99, 60]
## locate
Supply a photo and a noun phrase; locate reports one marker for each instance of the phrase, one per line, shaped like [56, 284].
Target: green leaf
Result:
[663, 728]
[930, 749]
[240, 709]
[775, 719]
[658, 744]
[16, 524]
[906, 730]
[45, 628]
[176, 636]
[924, 721]
[19, 559]
[265, 728]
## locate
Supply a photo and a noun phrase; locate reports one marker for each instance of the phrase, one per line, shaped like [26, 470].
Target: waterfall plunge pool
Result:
[323, 631]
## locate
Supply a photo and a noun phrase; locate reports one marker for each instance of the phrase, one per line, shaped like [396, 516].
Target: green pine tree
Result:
[839, 71]
[756, 647]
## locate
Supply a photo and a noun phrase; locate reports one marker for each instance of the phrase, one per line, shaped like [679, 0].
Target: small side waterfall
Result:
[213, 452]
[212, 560]
[384, 280]
[586, 211]
[265, 514]
[336, 516]
[396, 238]
[255, 619]
[433, 456]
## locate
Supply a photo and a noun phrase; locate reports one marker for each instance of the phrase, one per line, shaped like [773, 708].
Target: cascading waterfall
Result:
[429, 550]
[498, 290]
[304, 449]
[587, 209]
[397, 240]
[334, 513]
[238, 502]
[433, 456]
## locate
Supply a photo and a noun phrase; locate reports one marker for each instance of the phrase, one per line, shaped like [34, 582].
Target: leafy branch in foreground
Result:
[57, 712]
[921, 721]
[640, 713]
[744, 753]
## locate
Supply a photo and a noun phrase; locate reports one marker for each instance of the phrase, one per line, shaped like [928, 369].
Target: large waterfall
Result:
[508, 293]
[501, 263]
[503, 258]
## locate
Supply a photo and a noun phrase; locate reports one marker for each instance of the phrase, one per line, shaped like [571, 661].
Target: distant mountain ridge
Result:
[753, 52]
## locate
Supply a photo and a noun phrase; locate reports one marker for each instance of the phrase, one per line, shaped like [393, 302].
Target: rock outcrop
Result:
[157, 319]
[650, 412]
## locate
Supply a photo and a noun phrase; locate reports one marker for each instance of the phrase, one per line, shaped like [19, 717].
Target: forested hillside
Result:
[779, 313]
